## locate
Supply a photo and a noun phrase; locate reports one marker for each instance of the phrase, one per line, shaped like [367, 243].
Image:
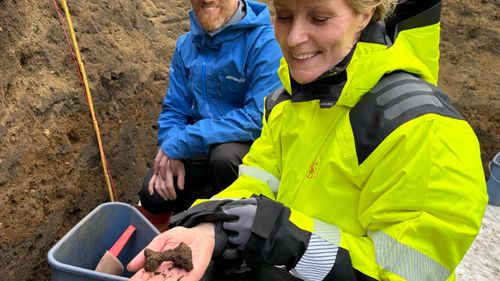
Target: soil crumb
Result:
[180, 256]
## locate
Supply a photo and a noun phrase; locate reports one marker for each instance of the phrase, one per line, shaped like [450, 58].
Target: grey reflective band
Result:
[410, 103]
[273, 99]
[406, 261]
[384, 109]
[321, 253]
[317, 260]
[329, 232]
[274, 95]
[401, 90]
[261, 175]
[391, 79]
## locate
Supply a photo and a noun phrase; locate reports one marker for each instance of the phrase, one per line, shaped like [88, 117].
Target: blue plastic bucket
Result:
[75, 256]
[494, 181]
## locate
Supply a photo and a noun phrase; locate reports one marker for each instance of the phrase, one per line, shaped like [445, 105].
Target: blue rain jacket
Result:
[217, 85]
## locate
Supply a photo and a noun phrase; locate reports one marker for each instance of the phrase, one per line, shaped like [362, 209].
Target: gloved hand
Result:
[233, 222]
[256, 230]
[273, 239]
[240, 228]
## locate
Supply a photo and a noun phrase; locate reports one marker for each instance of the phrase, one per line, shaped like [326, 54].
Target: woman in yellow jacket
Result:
[363, 171]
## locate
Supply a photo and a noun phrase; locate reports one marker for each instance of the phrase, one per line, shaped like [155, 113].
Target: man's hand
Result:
[164, 171]
[199, 238]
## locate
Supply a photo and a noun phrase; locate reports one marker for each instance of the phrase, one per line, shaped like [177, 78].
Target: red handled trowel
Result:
[110, 263]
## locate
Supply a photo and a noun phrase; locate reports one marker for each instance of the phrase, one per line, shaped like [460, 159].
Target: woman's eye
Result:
[283, 18]
[320, 19]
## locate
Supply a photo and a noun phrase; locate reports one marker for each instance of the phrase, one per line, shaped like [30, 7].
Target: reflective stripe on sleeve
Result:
[320, 254]
[261, 175]
[405, 261]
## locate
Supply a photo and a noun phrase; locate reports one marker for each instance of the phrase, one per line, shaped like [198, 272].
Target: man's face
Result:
[213, 14]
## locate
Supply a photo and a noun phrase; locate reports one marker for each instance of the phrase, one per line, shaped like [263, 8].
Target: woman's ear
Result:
[366, 17]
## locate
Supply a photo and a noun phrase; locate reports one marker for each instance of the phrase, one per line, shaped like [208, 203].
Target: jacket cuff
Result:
[274, 239]
[175, 149]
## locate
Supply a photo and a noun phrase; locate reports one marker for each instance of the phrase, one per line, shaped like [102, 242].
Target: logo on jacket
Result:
[313, 170]
[239, 80]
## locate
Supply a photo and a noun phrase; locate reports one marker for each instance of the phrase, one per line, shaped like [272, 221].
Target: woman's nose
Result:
[297, 34]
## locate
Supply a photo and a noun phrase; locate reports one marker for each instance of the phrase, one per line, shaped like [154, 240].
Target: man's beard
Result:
[211, 23]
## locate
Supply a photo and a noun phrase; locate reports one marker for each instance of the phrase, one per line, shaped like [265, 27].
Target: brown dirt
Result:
[50, 175]
[180, 257]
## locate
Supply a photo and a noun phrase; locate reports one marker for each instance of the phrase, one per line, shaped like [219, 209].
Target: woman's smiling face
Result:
[316, 35]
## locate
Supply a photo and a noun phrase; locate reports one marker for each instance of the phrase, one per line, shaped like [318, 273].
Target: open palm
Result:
[199, 238]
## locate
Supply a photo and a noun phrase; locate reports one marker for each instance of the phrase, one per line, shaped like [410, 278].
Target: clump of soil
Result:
[180, 256]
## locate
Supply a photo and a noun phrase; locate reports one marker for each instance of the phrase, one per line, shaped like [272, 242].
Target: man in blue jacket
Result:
[220, 73]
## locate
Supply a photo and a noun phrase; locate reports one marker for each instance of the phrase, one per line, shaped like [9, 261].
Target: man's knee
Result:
[228, 155]
[153, 202]
[224, 162]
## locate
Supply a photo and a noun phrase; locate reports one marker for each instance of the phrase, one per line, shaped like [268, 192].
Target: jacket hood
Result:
[257, 14]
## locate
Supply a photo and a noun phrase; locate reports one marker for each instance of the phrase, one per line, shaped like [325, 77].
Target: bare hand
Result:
[199, 238]
[164, 171]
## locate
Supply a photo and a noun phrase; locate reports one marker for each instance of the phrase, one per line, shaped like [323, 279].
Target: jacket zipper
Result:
[204, 86]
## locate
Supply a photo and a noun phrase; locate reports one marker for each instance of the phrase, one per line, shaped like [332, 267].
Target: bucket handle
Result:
[491, 173]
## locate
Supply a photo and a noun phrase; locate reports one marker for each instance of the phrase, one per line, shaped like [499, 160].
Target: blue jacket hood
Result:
[257, 14]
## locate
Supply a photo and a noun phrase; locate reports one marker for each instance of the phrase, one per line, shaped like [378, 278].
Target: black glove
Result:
[256, 230]
[206, 212]
[274, 239]
[233, 221]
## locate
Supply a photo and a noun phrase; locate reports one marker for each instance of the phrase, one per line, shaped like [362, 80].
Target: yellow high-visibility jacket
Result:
[374, 162]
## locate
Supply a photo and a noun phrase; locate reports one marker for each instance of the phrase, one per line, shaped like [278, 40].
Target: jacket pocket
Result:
[232, 89]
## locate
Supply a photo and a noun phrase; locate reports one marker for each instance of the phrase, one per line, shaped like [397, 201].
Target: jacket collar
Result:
[326, 88]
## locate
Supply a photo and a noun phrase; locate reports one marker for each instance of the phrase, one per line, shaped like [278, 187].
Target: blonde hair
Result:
[382, 8]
